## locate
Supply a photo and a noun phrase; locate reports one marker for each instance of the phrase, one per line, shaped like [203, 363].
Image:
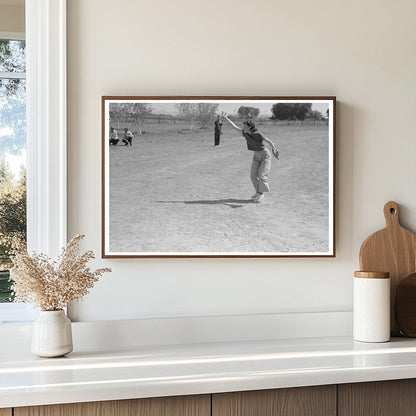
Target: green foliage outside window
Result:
[12, 223]
[12, 147]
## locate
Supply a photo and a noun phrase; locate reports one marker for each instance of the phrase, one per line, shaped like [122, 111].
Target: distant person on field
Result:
[260, 166]
[113, 137]
[217, 131]
[128, 137]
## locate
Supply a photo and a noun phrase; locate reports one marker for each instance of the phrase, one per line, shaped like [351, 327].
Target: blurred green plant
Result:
[12, 223]
[6, 294]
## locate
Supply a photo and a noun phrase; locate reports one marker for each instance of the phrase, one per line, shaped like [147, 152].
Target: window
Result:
[46, 134]
[12, 153]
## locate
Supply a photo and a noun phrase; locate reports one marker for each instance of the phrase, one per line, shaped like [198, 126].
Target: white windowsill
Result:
[16, 313]
[170, 370]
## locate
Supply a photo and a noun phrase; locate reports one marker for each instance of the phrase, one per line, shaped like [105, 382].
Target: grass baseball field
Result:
[172, 191]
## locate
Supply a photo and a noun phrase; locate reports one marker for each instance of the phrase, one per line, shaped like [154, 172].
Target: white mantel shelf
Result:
[151, 371]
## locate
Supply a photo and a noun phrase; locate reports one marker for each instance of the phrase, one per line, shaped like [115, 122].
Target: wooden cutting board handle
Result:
[393, 250]
[391, 214]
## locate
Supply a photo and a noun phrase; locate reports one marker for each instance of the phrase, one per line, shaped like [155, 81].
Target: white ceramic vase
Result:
[52, 334]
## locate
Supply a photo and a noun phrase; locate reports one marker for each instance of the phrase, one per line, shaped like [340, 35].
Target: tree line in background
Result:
[296, 111]
[205, 113]
[135, 112]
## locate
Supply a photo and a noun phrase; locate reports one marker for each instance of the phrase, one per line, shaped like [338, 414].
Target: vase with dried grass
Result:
[52, 286]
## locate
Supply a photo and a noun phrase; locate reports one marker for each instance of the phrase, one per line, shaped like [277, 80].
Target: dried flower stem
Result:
[53, 285]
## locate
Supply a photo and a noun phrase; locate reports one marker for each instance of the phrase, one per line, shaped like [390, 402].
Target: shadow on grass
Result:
[230, 202]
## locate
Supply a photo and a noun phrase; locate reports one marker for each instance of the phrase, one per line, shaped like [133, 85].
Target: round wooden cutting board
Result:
[393, 250]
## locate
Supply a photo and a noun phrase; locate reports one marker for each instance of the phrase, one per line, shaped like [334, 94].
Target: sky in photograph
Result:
[231, 108]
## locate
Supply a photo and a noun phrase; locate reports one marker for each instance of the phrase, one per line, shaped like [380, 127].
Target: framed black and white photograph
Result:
[218, 176]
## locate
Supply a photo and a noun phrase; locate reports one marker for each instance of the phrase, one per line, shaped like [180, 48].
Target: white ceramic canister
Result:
[371, 310]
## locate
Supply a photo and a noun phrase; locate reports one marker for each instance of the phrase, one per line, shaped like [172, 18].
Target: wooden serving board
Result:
[393, 250]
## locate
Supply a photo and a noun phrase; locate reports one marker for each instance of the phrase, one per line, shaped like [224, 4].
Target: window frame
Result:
[46, 138]
[46, 125]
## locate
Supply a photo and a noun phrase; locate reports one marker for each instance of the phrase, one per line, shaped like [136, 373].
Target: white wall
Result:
[361, 51]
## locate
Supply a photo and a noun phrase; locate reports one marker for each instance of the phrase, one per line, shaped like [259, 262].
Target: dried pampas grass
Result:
[53, 285]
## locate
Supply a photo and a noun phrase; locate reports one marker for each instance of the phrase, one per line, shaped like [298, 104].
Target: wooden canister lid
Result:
[372, 275]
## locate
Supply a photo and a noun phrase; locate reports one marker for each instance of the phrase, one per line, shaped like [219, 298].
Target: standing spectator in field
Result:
[128, 137]
[217, 131]
[113, 136]
[260, 166]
